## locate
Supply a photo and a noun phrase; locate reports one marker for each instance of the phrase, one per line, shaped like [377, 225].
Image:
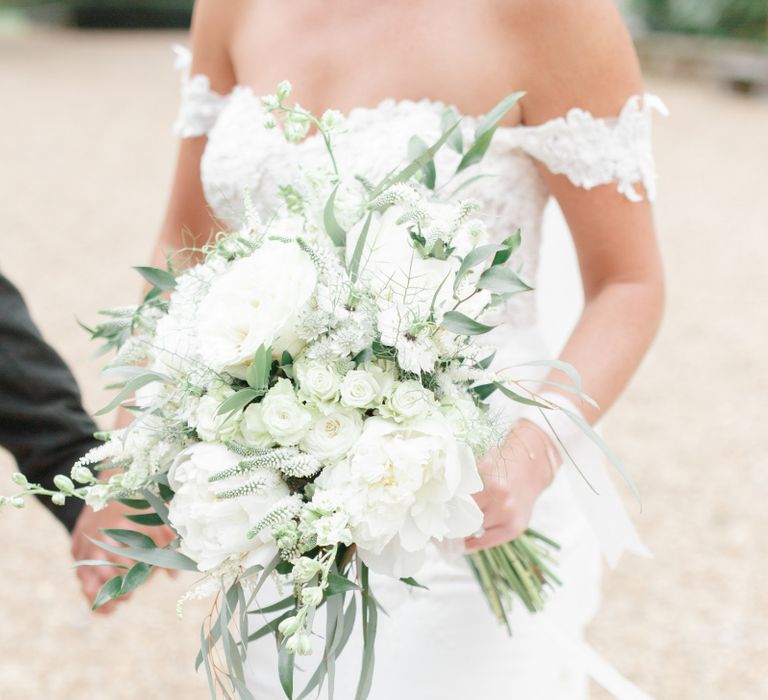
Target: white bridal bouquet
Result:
[310, 403]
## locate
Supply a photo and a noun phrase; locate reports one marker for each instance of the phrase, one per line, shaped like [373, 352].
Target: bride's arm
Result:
[580, 54]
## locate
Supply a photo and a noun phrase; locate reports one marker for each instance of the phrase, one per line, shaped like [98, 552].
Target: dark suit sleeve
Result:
[42, 420]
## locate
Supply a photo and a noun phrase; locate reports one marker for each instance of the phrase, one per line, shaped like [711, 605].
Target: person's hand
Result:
[92, 578]
[514, 475]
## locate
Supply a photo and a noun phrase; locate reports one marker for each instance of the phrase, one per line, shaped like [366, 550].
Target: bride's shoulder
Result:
[573, 54]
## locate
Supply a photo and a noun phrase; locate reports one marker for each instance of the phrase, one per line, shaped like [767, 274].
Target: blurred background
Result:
[88, 94]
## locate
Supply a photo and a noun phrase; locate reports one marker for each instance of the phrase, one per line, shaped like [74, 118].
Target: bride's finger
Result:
[490, 538]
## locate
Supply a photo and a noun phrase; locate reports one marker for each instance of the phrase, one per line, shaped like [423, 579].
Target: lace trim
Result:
[200, 105]
[592, 151]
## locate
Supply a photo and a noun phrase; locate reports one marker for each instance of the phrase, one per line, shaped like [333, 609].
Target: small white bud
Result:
[63, 483]
[58, 499]
[300, 644]
[82, 475]
[16, 501]
[19, 479]
[332, 120]
[312, 595]
[284, 90]
[305, 569]
[289, 626]
[269, 122]
[270, 102]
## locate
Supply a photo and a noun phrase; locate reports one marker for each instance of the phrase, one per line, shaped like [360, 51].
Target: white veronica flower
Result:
[255, 303]
[283, 415]
[332, 434]
[213, 529]
[402, 486]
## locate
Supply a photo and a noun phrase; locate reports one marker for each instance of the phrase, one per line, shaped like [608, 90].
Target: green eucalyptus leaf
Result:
[149, 519]
[162, 279]
[332, 227]
[131, 387]
[357, 255]
[286, 602]
[417, 146]
[109, 591]
[131, 538]
[135, 503]
[238, 401]
[486, 127]
[448, 117]
[97, 562]
[369, 618]
[339, 584]
[461, 324]
[285, 665]
[137, 575]
[409, 580]
[519, 398]
[164, 558]
[257, 374]
[483, 391]
[502, 280]
[473, 258]
[512, 244]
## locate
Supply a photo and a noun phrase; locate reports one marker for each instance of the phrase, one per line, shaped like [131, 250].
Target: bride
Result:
[581, 135]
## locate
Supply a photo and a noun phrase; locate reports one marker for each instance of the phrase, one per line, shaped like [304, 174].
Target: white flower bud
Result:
[270, 102]
[58, 499]
[284, 89]
[16, 501]
[19, 479]
[332, 120]
[269, 122]
[289, 626]
[299, 643]
[312, 595]
[63, 483]
[82, 475]
[305, 569]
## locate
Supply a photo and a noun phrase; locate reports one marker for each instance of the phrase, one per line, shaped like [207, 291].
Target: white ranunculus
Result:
[212, 529]
[283, 415]
[395, 269]
[409, 400]
[253, 429]
[361, 389]
[317, 381]
[257, 301]
[332, 434]
[402, 486]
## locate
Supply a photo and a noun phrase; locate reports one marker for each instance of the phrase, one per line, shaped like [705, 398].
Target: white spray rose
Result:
[283, 415]
[210, 425]
[403, 485]
[212, 529]
[361, 389]
[253, 429]
[317, 381]
[332, 434]
[409, 400]
[255, 302]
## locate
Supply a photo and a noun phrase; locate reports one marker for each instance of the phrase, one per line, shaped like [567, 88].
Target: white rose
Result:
[332, 435]
[402, 486]
[317, 380]
[409, 400]
[253, 429]
[212, 529]
[284, 416]
[361, 389]
[257, 301]
[210, 425]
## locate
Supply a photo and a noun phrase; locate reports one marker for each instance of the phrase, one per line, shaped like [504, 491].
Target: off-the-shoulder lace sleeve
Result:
[593, 151]
[200, 105]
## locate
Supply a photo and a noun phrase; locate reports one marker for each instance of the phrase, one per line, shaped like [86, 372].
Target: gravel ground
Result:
[86, 156]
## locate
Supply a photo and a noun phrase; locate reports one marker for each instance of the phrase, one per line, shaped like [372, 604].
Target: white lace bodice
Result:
[242, 154]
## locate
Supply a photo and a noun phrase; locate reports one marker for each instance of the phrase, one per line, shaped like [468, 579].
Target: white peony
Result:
[332, 435]
[257, 301]
[212, 529]
[285, 418]
[317, 381]
[402, 486]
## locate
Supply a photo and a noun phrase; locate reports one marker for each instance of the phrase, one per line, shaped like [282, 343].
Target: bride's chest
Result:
[243, 155]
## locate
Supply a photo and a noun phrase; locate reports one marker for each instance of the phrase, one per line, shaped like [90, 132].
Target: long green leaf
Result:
[97, 562]
[461, 324]
[285, 664]
[257, 374]
[162, 279]
[502, 280]
[357, 255]
[138, 574]
[131, 387]
[109, 591]
[512, 244]
[238, 400]
[369, 618]
[339, 584]
[448, 117]
[332, 227]
[130, 538]
[475, 257]
[519, 398]
[417, 146]
[164, 558]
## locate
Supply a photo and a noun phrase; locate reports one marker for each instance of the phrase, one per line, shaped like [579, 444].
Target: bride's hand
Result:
[514, 475]
[92, 578]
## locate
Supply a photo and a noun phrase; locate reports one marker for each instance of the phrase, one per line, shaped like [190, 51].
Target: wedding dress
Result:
[444, 643]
